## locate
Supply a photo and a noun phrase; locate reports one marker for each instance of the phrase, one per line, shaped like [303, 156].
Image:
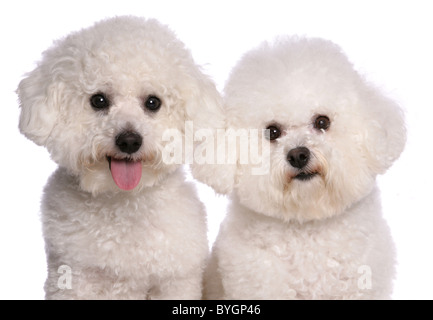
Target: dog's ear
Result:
[205, 111]
[38, 97]
[385, 130]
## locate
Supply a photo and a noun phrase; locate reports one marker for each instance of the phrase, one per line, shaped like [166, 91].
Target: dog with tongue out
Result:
[119, 221]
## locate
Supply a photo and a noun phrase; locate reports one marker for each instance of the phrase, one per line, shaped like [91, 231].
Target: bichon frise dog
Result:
[118, 220]
[311, 227]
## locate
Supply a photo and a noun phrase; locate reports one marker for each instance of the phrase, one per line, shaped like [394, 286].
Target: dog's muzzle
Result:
[299, 158]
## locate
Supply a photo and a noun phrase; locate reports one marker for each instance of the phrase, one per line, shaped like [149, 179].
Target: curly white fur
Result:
[149, 242]
[319, 238]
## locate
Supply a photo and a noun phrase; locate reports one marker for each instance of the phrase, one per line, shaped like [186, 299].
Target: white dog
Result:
[311, 228]
[118, 220]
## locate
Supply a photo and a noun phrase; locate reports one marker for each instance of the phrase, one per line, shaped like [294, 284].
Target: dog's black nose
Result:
[129, 142]
[298, 157]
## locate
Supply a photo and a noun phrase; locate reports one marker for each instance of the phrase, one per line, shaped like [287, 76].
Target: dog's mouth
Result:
[126, 172]
[305, 176]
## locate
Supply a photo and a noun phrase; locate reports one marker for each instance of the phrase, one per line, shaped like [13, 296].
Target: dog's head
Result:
[102, 98]
[324, 131]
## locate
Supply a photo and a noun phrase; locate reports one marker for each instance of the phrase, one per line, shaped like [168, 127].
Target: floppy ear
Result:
[39, 107]
[205, 110]
[386, 131]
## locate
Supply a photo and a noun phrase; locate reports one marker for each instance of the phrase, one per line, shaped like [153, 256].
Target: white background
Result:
[389, 41]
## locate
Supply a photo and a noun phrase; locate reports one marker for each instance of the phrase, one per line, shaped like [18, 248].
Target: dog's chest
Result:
[308, 251]
[126, 234]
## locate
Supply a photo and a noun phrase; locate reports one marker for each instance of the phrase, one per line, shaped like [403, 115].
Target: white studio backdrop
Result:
[388, 41]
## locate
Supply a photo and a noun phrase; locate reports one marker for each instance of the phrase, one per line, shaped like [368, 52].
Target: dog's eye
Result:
[153, 103]
[272, 132]
[322, 123]
[99, 101]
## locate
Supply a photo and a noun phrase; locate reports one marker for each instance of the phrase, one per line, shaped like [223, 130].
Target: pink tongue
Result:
[126, 174]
